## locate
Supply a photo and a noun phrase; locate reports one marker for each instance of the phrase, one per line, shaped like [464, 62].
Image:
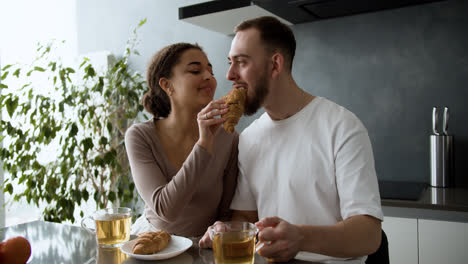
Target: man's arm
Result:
[354, 237]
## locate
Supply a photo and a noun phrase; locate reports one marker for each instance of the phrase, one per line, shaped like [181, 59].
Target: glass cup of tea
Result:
[110, 256]
[233, 242]
[112, 226]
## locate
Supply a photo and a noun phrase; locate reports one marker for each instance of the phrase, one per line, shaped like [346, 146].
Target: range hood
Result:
[223, 15]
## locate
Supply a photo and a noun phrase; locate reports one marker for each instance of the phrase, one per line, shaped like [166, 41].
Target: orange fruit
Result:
[16, 250]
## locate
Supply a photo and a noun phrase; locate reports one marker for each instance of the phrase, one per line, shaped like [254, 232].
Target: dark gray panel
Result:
[390, 68]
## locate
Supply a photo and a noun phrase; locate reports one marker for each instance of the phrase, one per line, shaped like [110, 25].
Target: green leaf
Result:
[47, 132]
[11, 105]
[77, 195]
[142, 22]
[83, 113]
[9, 188]
[17, 73]
[103, 141]
[96, 196]
[3, 86]
[40, 69]
[109, 127]
[6, 67]
[109, 157]
[85, 60]
[98, 161]
[90, 70]
[73, 130]
[112, 196]
[85, 195]
[5, 74]
[53, 66]
[87, 144]
[100, 85]
[70, 70]
[31, 184]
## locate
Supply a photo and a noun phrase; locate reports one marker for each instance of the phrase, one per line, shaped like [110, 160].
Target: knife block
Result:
[441, 161]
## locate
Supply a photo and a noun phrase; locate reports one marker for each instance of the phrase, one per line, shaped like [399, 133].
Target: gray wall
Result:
[389, 68]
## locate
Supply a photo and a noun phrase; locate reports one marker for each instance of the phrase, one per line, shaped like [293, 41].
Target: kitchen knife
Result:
[445, 121]
[435, 120]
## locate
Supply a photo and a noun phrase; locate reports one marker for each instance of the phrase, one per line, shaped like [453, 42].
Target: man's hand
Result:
[282, 239]
[239, 216]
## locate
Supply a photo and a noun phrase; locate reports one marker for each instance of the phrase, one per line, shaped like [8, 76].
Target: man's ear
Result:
[165, 84]
[278, 63]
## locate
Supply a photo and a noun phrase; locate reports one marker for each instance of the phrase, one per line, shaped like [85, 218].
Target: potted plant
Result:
[83, 118]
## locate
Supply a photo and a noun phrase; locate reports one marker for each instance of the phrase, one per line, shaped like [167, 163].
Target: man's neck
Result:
[285, 99]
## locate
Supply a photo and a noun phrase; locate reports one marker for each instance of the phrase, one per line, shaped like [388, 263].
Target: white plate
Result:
[176, 246]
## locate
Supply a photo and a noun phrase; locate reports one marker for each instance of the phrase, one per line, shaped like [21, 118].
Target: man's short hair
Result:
[278, 37]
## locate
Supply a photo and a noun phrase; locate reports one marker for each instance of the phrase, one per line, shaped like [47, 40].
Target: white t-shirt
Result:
[313, 168]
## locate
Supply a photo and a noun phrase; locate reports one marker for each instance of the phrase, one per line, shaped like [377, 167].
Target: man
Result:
[306, 165]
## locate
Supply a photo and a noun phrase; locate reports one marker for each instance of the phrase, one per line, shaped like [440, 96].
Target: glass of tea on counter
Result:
[112, 226]
[233, 242]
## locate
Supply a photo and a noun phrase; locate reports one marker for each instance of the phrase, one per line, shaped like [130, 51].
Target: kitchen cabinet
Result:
[402, 234]
[442, 242]
[414, 241]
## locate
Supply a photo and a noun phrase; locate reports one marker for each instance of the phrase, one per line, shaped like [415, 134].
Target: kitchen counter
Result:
[447, 204]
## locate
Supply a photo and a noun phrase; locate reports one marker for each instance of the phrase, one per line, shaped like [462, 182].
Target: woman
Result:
[183, 163]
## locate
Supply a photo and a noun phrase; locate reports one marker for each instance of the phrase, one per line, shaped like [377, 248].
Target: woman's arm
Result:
[166, 198]
[229, 182]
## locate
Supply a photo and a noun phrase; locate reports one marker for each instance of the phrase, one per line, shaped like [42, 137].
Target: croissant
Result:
[235, 100]
[151, 242]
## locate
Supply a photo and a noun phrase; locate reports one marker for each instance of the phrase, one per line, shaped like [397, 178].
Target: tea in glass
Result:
[113, 229]
[112, 226]
[234, 243]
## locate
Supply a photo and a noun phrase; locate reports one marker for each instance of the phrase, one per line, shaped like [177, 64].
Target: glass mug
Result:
[112, 226]
[233, 242]
[110, 256]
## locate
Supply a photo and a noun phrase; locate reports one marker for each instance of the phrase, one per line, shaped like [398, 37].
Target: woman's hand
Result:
[208, 124]
[205, 241]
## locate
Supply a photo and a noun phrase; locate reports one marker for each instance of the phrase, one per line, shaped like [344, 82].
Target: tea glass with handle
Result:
[112, 226]
[234, 242]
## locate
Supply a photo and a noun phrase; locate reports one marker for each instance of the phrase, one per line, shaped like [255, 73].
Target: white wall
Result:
[23, 23]
[106, 24]
[2, 196]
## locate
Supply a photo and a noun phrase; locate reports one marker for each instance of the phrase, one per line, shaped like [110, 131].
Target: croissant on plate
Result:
[151, 242]
[235, 100]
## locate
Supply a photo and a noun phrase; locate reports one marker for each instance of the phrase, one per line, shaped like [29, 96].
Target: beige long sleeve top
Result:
[185, 201]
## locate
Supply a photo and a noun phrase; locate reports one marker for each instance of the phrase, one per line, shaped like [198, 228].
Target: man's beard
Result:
[260, 93]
